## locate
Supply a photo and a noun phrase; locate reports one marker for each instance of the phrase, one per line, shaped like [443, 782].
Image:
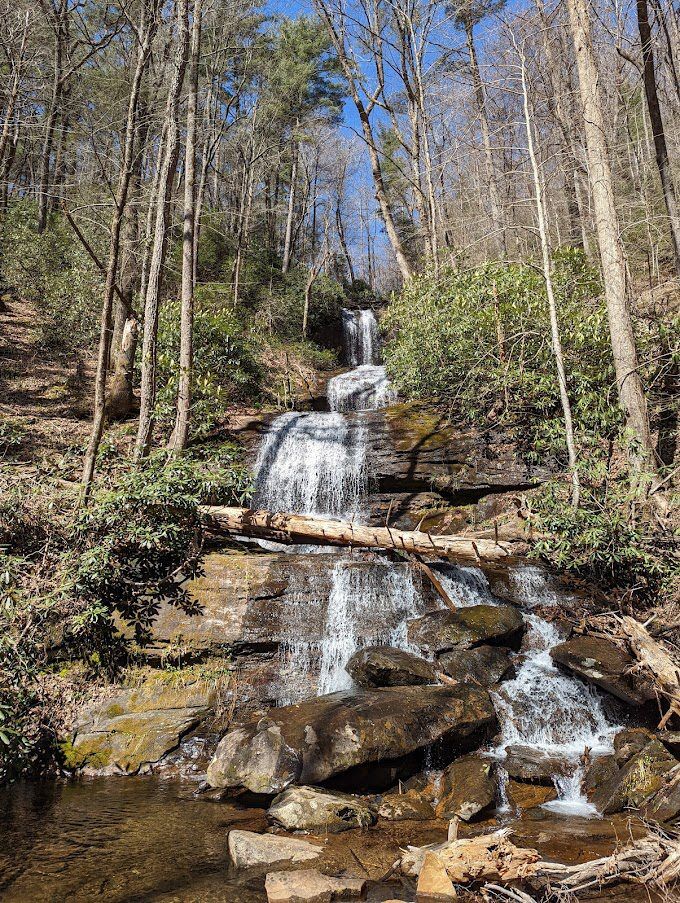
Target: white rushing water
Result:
[312, 464]
[366, 388]
[540, 708]
[361, 337]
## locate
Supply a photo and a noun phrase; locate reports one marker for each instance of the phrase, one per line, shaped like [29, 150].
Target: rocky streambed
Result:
[307, 715]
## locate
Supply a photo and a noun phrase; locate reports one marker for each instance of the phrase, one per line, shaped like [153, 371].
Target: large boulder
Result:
[311, 742]
[132, 728]
[636, 785]
[311, 886]
[250, 850]
[441, 631]
[466, 788]
[383, 666]
[483, 665]
[600, 662]
[320, 811]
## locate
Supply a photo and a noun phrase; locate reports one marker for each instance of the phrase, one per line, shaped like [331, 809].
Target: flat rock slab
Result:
[441, 631]
[384, 666]
[132, 728]
[409, 806]
[523, 763]
[483, 665]
[311, 886]
[311, 742]
[318, 810]
[600, 662]
[248, 849]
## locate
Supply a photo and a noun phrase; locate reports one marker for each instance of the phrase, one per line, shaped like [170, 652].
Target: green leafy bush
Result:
[479, 341]
[54, 272]
[225, 367]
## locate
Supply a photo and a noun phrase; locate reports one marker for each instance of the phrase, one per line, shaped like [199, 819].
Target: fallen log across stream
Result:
[310, 529]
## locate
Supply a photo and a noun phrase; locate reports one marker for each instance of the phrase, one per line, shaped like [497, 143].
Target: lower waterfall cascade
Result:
[315, 463]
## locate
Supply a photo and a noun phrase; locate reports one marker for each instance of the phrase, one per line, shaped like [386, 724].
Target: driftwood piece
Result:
[494, 862]
[297, 528]
[654, 659]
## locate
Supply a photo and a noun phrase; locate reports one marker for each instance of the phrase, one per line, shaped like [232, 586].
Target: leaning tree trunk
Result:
[148, 28]
[658, 132]
[629, 384]
[288, 239]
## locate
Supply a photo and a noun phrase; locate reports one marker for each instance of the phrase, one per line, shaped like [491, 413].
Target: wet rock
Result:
[133, 728]
[411, 448]
[409, 806]
[311, 886]
[434, 884]
[604, 664]
[599, 772]
[311, 742]
[665, 804]
[484, 665]
[671, 740]
[248, 849]
[531, 765]
[320, 811]
[629, 742]
[383, 666]
[441, 631]
[466, 788]
[528, 796]
[636, 784]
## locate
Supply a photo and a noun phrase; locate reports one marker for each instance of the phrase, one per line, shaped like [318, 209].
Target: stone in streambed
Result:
[665, 805]
[311, 886]
[483, 665]
[629, 742]
[311, 742]
[441, 631]
[599, 661]
[132, 728]
[523, 763]
[248, 849]
[599, 772]
[383, 666]
[318, 810]
[434, 884]
[409, 806]
[636, 785]
[528, 796]
[466, 788]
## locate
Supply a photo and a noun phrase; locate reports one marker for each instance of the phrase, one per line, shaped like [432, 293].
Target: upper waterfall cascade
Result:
[315, 463]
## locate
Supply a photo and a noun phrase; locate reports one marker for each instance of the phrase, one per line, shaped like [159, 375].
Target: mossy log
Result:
[297, 528]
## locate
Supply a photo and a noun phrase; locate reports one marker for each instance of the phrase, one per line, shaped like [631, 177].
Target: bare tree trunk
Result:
[8, 115]
[552, 305]
[656, 119]
[148, 26]
[167, 176]
[497, 215]
[364, 111]
[288, 240]
[181, 432]
[630, 388]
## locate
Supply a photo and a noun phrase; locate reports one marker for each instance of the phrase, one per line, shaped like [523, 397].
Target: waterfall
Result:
[361, 338]
[366, 388]
[541, 707]
[369, 605]
[312, 464]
